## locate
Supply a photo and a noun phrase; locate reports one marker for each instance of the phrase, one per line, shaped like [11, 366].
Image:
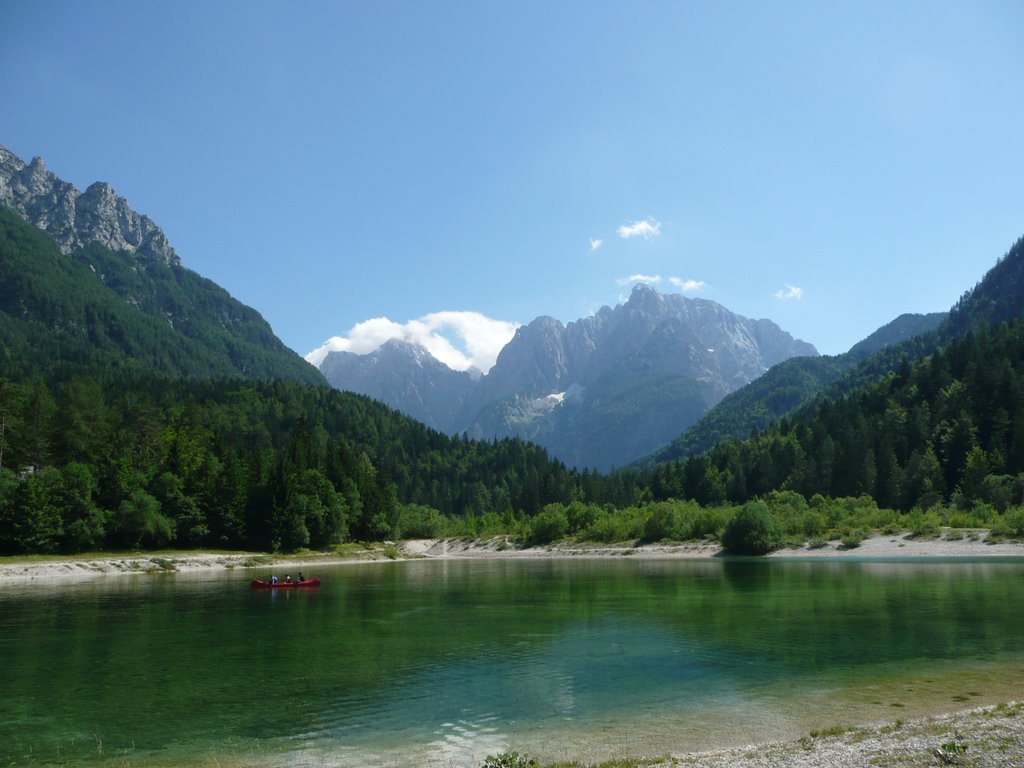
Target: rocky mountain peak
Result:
[645, 296]
[75, 218]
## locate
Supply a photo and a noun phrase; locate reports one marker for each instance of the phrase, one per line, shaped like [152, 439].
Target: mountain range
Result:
[87, 280]
[141, 405]
[599, 392]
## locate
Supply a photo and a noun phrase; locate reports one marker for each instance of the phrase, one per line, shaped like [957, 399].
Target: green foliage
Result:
[951, 424]
[663, 522]
[853, 539]
[998, 298]
[952, 752]
[104, 311]
[139, 522]
[509, 760]
[753, 408]
[417, 521]
[923, 524]
[1011, 525]
[550, 525]
[267, 466]
[752, 531]
[613, 526]
[31, 521]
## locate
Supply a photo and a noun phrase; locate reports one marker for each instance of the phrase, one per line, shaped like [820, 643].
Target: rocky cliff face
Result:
[74, 218]
[652, 331]
[118, 290]
[599, 392]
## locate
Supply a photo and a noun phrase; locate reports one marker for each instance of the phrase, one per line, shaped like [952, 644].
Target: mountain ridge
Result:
[558, 383]
[87, 280]
[73, 218]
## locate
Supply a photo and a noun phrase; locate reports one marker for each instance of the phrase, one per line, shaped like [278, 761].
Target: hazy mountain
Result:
[598, 392]
[87, 281]
[406, 374]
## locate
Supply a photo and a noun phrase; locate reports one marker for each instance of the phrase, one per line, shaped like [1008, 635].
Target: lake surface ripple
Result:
[444, 662]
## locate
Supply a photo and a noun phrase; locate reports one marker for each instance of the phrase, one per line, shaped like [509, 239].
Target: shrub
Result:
[509, 760]
[616, 525]
[703, 522]
[924, 523]
[416, 521]
[852, 539]
[662, 522]
[1011, 524]
[813, 523]
[752, 531]
[581, 516]
[549, 525]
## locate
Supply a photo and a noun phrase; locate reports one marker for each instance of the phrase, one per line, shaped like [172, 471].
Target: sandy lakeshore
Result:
[882, 546]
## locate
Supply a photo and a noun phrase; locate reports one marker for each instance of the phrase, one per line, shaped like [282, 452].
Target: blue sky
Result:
[827, 164]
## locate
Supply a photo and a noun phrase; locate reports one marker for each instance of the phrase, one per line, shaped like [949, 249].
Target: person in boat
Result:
[273, 579]
[300, 578]
[287, 579]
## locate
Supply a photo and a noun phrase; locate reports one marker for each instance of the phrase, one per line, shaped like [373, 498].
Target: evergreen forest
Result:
[142, 407]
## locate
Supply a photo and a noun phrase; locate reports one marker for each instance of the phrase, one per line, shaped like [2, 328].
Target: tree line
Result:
[949, 427]
[88, 463]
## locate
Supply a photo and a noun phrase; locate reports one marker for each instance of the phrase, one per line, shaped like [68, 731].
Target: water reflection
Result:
[453, 660]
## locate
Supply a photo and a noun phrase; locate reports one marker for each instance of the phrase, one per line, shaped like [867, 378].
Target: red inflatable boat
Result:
[259, 584]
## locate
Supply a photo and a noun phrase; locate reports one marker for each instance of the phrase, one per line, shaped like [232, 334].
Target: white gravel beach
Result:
[992, 737]
[974, 544]
[881, 546]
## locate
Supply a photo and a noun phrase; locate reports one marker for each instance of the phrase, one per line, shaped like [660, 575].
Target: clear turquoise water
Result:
[442, 663]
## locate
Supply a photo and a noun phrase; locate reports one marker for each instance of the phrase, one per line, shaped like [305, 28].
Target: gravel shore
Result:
[884, 547]
[881, 546]
[992, 737]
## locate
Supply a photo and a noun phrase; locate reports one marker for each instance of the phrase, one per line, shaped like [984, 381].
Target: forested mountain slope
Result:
[110, 310]
[950, 426]
[142, 406]
[997, 298]
[786, 387]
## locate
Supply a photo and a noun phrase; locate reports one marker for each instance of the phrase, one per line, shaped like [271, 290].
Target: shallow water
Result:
[443, 662]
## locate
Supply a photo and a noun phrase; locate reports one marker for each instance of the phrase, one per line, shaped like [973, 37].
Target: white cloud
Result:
[789, 292]
[596, 243]
[647, 228]
[460, 340]
[639, 279]
[688, 286]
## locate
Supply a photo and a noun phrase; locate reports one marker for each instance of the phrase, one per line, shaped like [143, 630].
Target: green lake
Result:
[440, 663]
